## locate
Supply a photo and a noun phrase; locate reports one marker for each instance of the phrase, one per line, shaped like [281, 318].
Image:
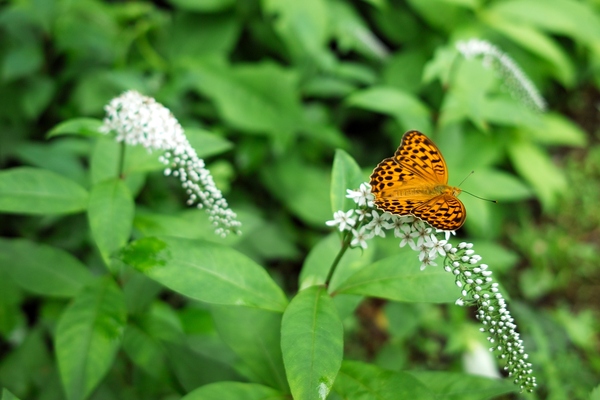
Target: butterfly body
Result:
[415, 182]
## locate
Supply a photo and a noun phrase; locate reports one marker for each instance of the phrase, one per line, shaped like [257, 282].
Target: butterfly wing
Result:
[398, 183]
[444, 212]
[397, 189]
[421, 156]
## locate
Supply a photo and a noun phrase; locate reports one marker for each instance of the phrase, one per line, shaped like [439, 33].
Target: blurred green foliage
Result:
[267, 91]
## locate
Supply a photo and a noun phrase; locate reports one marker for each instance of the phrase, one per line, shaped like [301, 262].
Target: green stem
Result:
[345, 246]
[121, 162]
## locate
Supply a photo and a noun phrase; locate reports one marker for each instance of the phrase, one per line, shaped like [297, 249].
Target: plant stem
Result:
[121, 162]
[345, 246]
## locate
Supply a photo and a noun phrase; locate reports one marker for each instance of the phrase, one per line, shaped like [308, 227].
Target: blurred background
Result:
[278, 86]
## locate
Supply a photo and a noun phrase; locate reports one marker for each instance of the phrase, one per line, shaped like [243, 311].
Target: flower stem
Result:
[345, 245]
[121, 162]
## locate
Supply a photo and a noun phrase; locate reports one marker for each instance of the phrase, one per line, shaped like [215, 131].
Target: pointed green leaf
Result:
[456, 386]
[77, 126]
[235, 390]
[110, 214]
[6, 395]
[26, 190]
[399, 278]
[409, 111]
[346, 174]
[312, 343]
[255, 336]
[205, 271]
[43, 269]
[535, 166]
[361, 381]
[245, 97]
[88, 336]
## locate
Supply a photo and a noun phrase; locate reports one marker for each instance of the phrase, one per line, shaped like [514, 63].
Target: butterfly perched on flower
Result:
[415, 182]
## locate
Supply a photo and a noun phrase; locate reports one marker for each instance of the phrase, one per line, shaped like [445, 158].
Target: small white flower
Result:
[360, 237]
[406, 236]
[426, 262]
[362, 196]
[378, 223]
[437, 247]
[343, 219]
[421, 232]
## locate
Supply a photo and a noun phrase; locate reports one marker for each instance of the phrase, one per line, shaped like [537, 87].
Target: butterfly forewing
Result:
[422, 157]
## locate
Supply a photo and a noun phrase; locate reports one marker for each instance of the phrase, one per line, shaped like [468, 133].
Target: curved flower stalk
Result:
[473, 278]
[516, 79]
[141, 120]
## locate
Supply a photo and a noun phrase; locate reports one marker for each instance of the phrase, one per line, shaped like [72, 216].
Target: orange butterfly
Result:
[415, 181]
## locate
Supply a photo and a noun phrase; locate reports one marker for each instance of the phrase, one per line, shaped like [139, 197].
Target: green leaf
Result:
[22, 60]
[565, 17]
[399, 278]
[536, 167]
[498, 185]
[409, 112]
[466, 99]
[312, 343]
[303, 26]
[537, 43]
[145, 351]
[255, 336]
[245, 97]
[26, 190]
[60, 156]
[28, 362]
[77, 126]
[206, 143]
[234, 390]
[302, 188]
[361, 381]
[6, 395]
[346, 174]
[88, 337]
[193, 35]
[352, 33]
[203, 5]
[455, 386]
[43, 269]
[110, 215]
[205, 271]
[557, 130]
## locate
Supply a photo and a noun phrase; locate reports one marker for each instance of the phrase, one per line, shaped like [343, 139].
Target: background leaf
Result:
[28, 190]
[88, 336]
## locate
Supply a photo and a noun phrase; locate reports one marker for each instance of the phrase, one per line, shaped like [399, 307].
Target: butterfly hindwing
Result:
[444, 212]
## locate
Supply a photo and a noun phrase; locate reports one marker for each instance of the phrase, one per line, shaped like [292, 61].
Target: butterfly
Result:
[415, 182]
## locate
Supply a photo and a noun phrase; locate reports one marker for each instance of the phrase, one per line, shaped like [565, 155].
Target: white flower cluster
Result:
[517, 80]
[365, 222]
[473, 278]
[479, 290]
[141, 120]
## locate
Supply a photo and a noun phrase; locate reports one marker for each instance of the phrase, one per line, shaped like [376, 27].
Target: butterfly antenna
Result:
[466, 177]
[464, 191]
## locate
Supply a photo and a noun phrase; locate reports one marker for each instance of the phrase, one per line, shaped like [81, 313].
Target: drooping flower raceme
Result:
[471, 276]
[516, 79]
[141, 120]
